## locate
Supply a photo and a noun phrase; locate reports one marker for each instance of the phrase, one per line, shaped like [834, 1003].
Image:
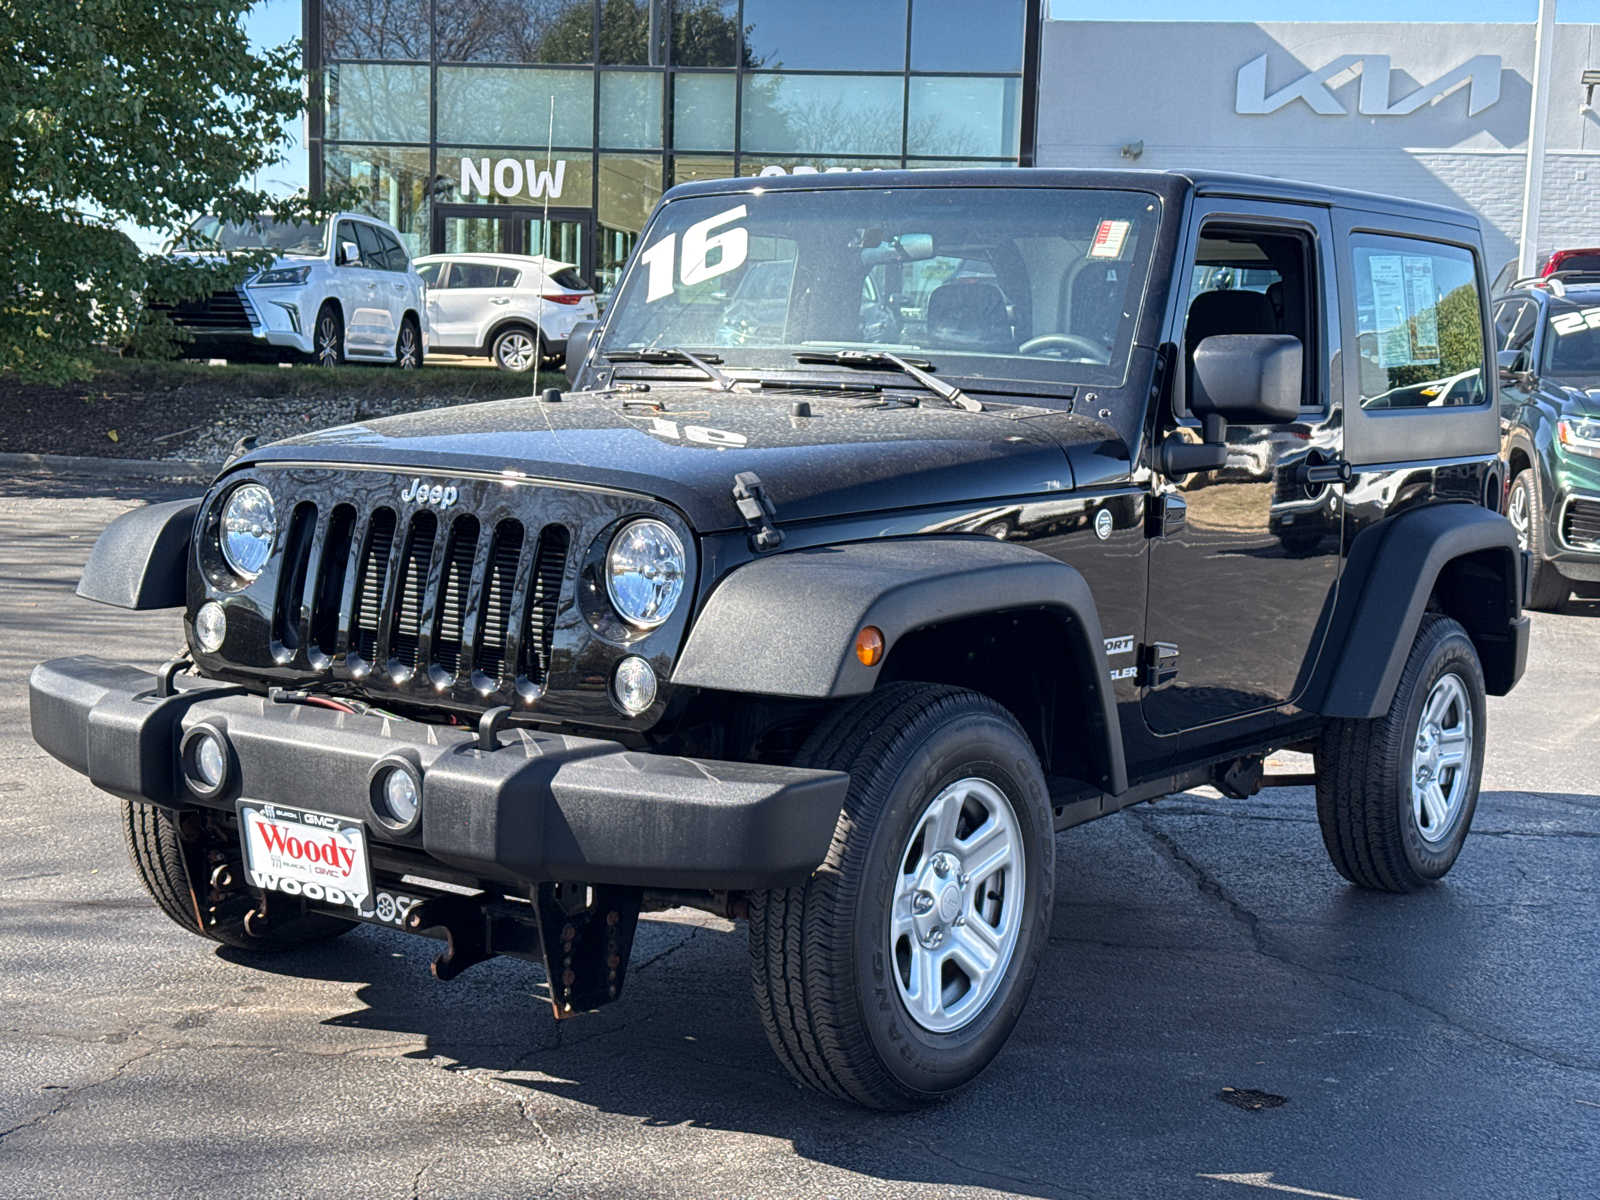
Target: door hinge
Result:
[1166, 515]
[1158, 664]
[758, 511]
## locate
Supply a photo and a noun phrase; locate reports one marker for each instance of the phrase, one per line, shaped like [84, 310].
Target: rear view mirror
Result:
[578, 349]
[905, 247]
[1248, 378]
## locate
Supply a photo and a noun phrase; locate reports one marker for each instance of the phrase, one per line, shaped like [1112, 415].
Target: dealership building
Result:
[555, 125]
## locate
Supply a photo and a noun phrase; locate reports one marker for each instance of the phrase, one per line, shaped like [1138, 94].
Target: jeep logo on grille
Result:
[437, 495]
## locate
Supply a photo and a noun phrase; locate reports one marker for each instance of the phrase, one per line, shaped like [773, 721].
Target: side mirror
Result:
[578, 349]
[1512, 363]
[349, 254]
[1248, 378]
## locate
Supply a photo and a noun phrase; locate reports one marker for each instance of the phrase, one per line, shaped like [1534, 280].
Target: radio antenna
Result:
[549, 182]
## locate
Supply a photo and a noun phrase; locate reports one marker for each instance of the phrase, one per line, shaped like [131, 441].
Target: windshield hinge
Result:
[758, 511]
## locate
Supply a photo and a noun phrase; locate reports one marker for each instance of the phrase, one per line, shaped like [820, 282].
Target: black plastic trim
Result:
[140, 560]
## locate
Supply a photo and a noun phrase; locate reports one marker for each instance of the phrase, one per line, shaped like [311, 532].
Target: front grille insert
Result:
[1580, 525]
[219, 312]
[426, 600]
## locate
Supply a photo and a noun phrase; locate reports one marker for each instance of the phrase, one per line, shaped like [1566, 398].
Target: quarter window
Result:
[1419, 324]
[508, 277]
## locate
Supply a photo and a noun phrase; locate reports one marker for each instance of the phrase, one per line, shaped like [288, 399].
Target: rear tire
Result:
[155, 845]
[1549, 588]
[869, 987]
[517, 349]
[1396, 794]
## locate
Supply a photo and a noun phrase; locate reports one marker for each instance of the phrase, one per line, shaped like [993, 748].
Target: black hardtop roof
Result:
[1170, 185]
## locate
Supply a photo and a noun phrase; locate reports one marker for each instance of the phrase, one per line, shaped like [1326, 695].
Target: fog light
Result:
[395, 793]
[634, 686]
[401, 795]
[209, 761]
[210, 626]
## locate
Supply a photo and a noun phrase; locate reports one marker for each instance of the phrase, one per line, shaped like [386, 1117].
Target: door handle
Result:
[399, 287]
[1310, 474]
[499, 299]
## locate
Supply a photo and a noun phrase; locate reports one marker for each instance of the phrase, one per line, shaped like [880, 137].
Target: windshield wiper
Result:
[666, 354]
[916, 368]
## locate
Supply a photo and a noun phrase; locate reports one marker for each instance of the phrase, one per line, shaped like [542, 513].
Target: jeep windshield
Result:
[284, 237]
[1037, 284]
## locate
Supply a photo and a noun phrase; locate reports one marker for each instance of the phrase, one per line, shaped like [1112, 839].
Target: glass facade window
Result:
[438, 112]
[551, 32]
[962, 117]
[950, 35]
[826, 35]
[390, 184]
[630, 110]
[508, 107]
[705, 33]
[633, 33]
[375, 29]
[702, 111]
[823, 114]
[377, 102]
[514, 176]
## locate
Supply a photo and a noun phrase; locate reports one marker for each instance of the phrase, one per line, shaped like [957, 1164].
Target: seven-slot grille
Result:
[1580, 525]
[428, 597]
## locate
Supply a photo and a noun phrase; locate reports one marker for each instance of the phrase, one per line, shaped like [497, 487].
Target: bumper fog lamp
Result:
[209, 762]
[634, 686]
[401, 795]
[210, 626]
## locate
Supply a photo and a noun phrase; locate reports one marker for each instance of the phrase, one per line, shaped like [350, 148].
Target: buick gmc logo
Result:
[439, 496]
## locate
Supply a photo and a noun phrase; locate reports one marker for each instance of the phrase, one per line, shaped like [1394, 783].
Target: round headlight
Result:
[249, 523]
[644, 573]
[634, 685]
[210, 626]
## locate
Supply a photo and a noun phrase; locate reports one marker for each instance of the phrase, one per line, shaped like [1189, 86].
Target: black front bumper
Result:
[543, 807]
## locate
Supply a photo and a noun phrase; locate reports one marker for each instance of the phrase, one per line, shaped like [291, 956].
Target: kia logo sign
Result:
[513, 177]
[1481, 74]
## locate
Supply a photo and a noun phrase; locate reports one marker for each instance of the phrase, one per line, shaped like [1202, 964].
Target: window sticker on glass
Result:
[729, 248]
[1572, 322]
[1424, 300]
[1110, 239]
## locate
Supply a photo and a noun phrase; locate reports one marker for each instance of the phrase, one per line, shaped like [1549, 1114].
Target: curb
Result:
[124, 468]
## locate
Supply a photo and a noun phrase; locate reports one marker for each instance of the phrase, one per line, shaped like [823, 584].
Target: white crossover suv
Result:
[340, 290]
[516, 308]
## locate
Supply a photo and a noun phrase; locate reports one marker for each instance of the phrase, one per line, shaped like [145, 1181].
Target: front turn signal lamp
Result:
[869, 646]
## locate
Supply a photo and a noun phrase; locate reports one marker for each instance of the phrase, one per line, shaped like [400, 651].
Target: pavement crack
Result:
[73, 1092]
[1015, 1180]
[668, 952]
[1168, 846]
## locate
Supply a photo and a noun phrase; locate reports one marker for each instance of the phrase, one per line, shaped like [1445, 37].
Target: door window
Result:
[471, 275]
[1419, 324]
[347, 234]
[1513, 325]
[430, 273]
[372, 253]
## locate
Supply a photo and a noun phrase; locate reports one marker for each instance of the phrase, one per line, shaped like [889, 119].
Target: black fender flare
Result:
[1465, 553]
[786, 625]
[141, 559]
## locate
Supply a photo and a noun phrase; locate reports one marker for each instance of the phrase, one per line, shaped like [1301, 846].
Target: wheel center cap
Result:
[950, 903]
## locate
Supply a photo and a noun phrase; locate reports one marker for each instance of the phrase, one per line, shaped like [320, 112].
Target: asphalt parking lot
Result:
[1445, 1044]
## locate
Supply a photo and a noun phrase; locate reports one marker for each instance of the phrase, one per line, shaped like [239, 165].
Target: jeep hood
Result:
[841, 460]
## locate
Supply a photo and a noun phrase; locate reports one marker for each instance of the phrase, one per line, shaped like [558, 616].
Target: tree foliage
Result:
[151, 111]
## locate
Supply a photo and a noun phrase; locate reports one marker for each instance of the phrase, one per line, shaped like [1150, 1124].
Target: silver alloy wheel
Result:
[405, 350]
[1441, 764]
[517, 350]
[957, 908]
[328, 341]
[1517, 512]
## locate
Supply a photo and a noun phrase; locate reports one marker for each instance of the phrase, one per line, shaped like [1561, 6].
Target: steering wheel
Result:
[1066, 341]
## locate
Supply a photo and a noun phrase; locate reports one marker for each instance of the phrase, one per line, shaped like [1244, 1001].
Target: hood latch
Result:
[758, 511]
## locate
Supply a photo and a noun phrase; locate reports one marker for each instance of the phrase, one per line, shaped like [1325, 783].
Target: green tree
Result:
[151, 111]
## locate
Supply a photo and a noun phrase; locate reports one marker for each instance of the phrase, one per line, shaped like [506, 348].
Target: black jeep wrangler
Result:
[1001, 502]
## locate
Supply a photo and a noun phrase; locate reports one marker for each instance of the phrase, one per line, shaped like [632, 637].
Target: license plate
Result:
[303, 853]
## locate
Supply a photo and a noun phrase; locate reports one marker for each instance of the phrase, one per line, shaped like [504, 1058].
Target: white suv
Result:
[341, 290]
[516, 308]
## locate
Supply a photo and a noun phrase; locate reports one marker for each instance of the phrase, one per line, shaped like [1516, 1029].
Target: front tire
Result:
[1396, 794]
[408, 346]
[896, 974]
[1548, 587]
[327, 340]
[156, 847]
